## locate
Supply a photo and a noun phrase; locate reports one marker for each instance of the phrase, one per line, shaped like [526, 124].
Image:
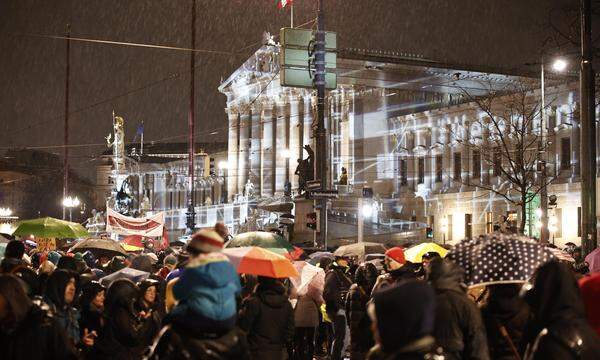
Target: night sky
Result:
[152, 85]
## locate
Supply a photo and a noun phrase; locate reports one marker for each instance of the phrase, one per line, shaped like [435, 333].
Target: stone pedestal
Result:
[303, 234]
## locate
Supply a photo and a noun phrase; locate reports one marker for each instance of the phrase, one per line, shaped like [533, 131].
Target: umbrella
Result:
[414, 254]
[499, 258]
[292, 255]
[261, 239]
[125, 273]
[4, 239]
[311, 279]
[258, 261]
[593, 259]
[359, 249]
[99, 247]
[133, 240]
[561, 255]
[131, 248]
[48, 227]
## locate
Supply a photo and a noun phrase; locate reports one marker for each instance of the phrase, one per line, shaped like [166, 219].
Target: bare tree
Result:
[507, 137]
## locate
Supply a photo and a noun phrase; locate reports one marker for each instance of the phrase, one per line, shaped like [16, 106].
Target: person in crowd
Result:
[68, 263]
[30, 279]
[61, 289]
[268, 318]
[223, 231]
[428, 257]
[397, 269]
[123, 334]
[558, 328]
[306, 320]
[361, 336]
[169, 264]
[202, 324]
[590, 292]
[92, 308]
[459, 329]
[337, 284]
[150, 307]
[13, 257]
[323, 337]
[403, 317]
[27, 329]
[505, 315]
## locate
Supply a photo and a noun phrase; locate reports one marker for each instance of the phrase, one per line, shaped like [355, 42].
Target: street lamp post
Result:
[70, 203]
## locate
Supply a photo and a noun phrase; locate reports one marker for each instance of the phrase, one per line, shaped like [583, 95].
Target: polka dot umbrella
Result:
[499, 258]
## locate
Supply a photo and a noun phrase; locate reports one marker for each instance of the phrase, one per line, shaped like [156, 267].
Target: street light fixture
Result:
[287, 153]
[70, 203]
[5, 212]
[559, 65]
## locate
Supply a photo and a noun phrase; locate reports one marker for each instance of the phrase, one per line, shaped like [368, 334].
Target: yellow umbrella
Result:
[131, 248]
[415, 253]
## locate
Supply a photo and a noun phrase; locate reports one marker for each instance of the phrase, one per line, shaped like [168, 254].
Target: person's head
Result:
[121, 294]
[365, 276]
[93, 295]
[394, 258]
[14, 303]
[30, 279]
[342, 261]
[205, 241]
[221, 229]
[14, 249]
[142, 262]
[53, 257]
[428, 256]
[344, 170]
[148, 291]
[61, 288]
[402, 313]
[67, 263]
[170, 261]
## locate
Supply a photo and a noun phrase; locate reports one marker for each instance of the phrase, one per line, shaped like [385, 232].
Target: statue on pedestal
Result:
[305, 170]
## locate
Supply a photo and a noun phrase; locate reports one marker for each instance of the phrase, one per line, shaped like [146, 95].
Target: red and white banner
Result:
[125, 225]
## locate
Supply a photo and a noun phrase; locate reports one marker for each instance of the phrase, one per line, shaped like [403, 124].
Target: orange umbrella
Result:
[258, 261]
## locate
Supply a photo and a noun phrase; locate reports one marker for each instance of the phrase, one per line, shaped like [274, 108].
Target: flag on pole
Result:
[283, 3]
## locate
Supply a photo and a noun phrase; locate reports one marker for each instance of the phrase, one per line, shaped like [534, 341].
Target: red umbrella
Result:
[134, 240]
[258, 261]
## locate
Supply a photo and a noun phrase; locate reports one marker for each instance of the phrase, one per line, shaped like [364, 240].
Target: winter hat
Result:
[53, 257]
[590, 292]
[14, 249]
[152, 257]
[404, 313]
[396, 254]
[67, 263]
[205, 241]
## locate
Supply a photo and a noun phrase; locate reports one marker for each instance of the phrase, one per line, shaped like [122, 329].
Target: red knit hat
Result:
[396, 254]
[206, 241]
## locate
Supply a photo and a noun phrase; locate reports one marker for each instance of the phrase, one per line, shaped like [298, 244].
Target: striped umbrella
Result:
[258, 261]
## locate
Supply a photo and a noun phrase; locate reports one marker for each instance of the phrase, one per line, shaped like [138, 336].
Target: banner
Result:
[126, 225]
[45, 244]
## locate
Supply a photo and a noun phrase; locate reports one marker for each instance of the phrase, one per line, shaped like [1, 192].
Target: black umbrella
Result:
[499, 258]
[99, 247]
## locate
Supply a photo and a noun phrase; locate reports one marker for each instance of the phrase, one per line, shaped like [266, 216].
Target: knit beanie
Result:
[205, 241]
[53, 257]
[170, 260]
[14, 249]
[396, 254]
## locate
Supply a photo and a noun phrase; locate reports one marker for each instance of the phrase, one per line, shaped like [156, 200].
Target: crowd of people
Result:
[194, 305]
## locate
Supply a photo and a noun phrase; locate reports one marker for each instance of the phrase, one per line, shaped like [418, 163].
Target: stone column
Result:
[295, 137]
[244, 150]
[279, 141]
[267, 151]
[255, 149]
[575, 139]
[232, 151]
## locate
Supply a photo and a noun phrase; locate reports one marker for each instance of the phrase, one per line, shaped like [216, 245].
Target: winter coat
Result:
[306, 313]
[175, 343]
[504, 309]
[590, 292]
[268, 319]
[66, 315]
[37, 336]
[208, 286]
[459, 329]
[558, 328]
[407, 272]
[420, 349]
[123, 334]
[361, 336]
[337, 284]
[91, 317]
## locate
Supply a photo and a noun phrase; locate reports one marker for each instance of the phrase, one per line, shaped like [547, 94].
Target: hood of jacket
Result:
[272, 294]
[444, 275]
[121, 294]
[56, 285]
[212, 270]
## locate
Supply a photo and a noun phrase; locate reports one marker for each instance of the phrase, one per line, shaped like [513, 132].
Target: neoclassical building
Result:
[398, 123]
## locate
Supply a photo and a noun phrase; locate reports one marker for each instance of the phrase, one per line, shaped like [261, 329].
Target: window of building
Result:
[497, 162]
[403, 172]
[421, 178]
[565, 154]
[476, 164]
[457, 166]
[438, 168]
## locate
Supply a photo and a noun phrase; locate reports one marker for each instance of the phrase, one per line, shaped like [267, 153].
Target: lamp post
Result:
[70, 203]
[444, 229]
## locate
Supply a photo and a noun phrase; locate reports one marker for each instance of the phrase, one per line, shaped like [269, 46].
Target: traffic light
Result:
[429, 233]
[311, 220]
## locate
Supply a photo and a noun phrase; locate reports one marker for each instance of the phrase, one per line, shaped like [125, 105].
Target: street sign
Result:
[300, 77]
[295, 37]
[313, 184]
[324, 194]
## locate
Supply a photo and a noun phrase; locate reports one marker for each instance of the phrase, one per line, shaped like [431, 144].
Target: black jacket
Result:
[268, 318]
[37, 336]
[420, 349]
[408, 271]
[175, 343]
[506, 310]
[337, 284]
[459, 329]
[558, 328]
[361, 336]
